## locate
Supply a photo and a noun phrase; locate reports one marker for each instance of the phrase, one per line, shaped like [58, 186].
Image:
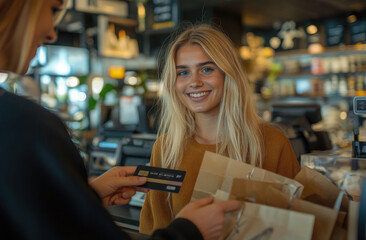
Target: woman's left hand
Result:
[117, 185]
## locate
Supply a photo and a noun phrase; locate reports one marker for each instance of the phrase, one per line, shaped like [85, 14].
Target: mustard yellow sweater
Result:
[278, 157]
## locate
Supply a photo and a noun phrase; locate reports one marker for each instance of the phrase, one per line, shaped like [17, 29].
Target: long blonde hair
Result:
[238, 122]
[18, 20]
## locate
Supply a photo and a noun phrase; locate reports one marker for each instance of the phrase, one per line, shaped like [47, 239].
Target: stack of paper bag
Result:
[272, 208]
[217, 172]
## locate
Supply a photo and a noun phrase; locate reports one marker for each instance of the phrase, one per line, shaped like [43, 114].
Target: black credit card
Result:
[163, 179]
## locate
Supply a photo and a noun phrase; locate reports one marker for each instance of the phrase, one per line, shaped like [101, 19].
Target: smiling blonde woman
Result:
[207, 105]
[44, 188]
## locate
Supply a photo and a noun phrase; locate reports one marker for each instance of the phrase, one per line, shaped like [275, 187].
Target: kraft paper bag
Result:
[319, 189]
[253, 191]
[339, 233]
[256, 221]
[230, 217]
[244, 190]
[270, 194]
[218, 172]
[352, 230]
[341, 219]
[325, 218]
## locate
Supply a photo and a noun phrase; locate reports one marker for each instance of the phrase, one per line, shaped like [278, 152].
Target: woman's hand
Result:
[117, 185]
[209, 217]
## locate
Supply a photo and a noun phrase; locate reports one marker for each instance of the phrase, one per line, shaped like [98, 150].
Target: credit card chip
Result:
[143, 173]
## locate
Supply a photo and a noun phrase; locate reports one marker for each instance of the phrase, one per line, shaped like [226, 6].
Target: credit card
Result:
[162, 179]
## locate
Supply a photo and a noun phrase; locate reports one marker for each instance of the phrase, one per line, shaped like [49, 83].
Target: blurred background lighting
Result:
[97, 85]
[45, 79]
[312, 29]
[76, 96]
[352, 18]
[343, 115]
[3, 77]
[132, 80]
[72, 81]
[116, 72]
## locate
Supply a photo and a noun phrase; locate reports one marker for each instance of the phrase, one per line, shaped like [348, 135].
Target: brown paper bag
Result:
[341, 219]
[339, 233]
[258, 221]
[271, 195]
[319, 189]
[217, 172]
[251, 190]
[244, 190]
[325, 218]
[354, 209]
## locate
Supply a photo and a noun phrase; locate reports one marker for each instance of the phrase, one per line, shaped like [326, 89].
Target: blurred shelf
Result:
[308, 97]
[310, 75]
[344, 49]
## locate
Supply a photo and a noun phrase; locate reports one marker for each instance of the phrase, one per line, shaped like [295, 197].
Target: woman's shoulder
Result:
[272, 131]
[159, 141]
[22, 110]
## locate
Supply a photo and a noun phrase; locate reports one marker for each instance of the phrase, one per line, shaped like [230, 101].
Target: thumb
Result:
[229, 206]
[203, 202]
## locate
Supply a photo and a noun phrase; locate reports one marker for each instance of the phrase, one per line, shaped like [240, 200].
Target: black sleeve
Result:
[179, 229]
[43, 182]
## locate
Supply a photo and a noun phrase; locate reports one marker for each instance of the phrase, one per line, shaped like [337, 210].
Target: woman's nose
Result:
[51, 36]
[196, 81]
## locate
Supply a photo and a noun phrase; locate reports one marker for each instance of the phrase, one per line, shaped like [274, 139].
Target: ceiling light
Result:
[311, 29]
[352, 18]
[275, 42]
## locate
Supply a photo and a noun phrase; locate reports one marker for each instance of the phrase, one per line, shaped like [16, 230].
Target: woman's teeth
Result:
[196, 95]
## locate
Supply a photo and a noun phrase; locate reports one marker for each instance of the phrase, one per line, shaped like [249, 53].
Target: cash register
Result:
[131, 151]
[136, 150]
[104, 149]
[125, 137]
[295, 120]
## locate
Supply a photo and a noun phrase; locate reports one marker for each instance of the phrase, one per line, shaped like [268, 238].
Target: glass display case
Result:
[340, 167]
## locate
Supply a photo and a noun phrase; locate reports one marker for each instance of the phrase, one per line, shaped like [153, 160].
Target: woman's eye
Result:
[56, 10]
[207, 69]
[182, 73]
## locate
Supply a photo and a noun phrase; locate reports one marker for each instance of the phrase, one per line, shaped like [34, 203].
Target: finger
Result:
[128, 194]
[140, 189]
[203, 202]
[130, 181]
[116, 196]
[121, 201]
[229, 206]
[129, 171]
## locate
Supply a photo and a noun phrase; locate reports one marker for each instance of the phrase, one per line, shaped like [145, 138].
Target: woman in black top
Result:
[44, 188]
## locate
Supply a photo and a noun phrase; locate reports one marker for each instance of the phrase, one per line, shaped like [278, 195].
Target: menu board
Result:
[334, 31]
[358, 31]
[163, 14]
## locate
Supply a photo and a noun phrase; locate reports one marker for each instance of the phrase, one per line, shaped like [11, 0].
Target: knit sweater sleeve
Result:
[287, 164]
[179, 229]
[279, 156]
[155, 201]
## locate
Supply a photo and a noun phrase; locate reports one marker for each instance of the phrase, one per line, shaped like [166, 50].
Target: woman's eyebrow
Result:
[205, 63]
[180, 66]
[198, 65]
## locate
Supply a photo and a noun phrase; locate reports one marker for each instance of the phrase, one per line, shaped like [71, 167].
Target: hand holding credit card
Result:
[162, 179]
